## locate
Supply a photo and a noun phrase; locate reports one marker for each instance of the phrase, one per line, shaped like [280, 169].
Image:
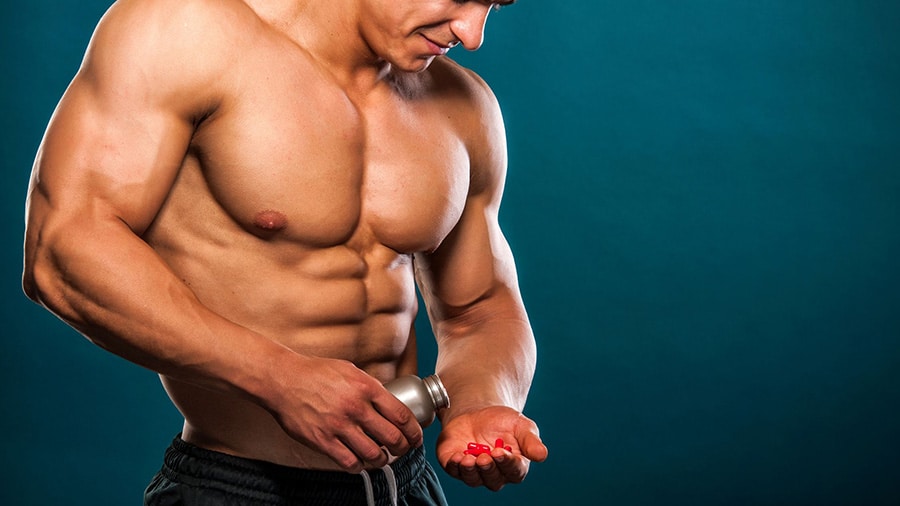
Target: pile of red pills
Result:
[478, 448]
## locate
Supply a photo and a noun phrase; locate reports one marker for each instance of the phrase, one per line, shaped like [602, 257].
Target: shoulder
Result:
[455, 83]
[166, 23]
[161, 45]
[472, 106]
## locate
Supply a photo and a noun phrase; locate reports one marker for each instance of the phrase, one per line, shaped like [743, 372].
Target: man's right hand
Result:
[340, 410]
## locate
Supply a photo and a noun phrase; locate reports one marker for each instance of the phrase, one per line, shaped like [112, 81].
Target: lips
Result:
[437, 48]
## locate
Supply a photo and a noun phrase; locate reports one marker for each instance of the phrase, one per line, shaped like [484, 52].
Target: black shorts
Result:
[193, 476]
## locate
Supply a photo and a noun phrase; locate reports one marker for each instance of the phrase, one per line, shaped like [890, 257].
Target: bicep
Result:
[119, 134]
[474, 267]
[109, 151]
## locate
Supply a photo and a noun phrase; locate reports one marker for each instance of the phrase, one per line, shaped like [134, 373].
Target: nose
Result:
[468, 25]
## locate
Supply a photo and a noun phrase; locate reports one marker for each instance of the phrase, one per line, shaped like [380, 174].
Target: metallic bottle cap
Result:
[437, 391]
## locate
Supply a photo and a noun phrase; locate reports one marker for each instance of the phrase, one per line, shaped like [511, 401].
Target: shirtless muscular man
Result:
[243, 195]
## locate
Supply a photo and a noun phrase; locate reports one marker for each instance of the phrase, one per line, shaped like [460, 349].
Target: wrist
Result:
[265, 375]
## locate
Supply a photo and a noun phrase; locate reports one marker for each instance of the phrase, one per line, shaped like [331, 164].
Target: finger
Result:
[489, 472]
[512, 468]
[532, 447]
[452, 466]
[385, 433]
[401, 418]
[468, 471]
[365, 449]
[343, 457]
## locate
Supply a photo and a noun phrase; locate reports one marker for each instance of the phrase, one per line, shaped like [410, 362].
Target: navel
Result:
[270, 220]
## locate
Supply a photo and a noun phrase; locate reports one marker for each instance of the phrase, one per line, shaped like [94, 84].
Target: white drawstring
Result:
[370, 494]
[392, 483]
[388, 476]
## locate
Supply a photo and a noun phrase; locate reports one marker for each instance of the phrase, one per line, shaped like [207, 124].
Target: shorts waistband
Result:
[268, 483]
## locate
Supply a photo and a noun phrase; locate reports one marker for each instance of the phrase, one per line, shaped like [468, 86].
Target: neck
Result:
[329, 31]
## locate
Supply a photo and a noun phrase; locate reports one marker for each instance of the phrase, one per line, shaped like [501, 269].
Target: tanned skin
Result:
[242, 195]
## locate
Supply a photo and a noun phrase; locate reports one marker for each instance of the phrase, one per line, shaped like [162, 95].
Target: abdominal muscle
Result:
[334, 303]
[235, 426]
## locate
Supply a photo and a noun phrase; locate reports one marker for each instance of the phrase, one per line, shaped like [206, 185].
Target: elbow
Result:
[29, 286]
[33, 283]
[43, 284]
[41, 277]
[29, 281]
[49, 243]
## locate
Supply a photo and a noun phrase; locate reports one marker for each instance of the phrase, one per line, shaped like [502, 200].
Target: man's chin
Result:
[413, 66]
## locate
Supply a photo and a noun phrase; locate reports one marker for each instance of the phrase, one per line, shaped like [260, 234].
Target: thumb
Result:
[532, 447]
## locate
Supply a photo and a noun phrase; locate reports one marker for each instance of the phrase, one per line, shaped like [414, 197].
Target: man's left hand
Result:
[499, 467]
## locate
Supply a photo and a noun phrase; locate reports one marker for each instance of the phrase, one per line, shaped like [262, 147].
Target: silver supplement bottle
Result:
[422, 396]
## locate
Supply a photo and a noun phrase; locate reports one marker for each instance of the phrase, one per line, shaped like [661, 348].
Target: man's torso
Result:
[296, 213]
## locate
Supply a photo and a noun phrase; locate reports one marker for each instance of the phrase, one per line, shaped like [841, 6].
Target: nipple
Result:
[270, 220]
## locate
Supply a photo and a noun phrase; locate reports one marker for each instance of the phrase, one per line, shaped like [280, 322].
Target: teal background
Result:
[704, 199]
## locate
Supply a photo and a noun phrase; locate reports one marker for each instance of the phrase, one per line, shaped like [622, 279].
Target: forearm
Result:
[486, 356]
[104, 281]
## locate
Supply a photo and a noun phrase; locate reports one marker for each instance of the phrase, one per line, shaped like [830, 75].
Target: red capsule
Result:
[477, 449]
[499, 444]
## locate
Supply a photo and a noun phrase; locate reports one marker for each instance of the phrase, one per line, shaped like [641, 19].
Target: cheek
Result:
[394, 28]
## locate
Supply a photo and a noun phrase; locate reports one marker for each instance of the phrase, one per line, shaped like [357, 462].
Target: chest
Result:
[293, 157]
